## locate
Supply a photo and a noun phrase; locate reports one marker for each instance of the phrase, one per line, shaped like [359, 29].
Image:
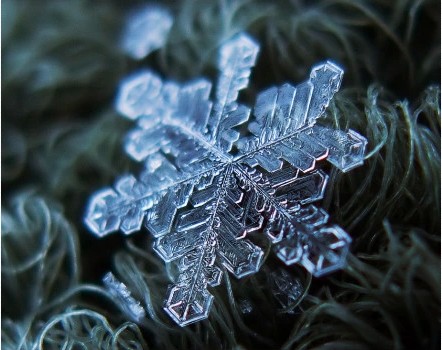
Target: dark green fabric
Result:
[62, 140]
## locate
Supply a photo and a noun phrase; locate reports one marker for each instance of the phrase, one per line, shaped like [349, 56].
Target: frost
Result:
[205, 187]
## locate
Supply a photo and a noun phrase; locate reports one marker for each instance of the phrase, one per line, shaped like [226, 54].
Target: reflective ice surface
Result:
[205, 187]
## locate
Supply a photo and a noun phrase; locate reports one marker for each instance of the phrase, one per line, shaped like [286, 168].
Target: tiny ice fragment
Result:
[286, 288]
[131, 307]
[146, 30]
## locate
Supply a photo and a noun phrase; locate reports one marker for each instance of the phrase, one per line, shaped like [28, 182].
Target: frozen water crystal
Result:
[146, 30]
[245, 306]
[286, 288]
[205, 187]
[119, 291]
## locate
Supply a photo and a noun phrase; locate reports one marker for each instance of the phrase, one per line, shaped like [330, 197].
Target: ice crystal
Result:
[122, 295]
[146, 30]
[245, 306]
[205, 187]
[286, 288]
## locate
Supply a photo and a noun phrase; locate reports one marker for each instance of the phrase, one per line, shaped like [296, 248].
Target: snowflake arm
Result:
[284, 127]
[199, 237]
[174, 151]
[237, 57]
[297, 227]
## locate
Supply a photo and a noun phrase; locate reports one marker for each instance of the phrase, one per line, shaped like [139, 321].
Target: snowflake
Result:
[205, 186]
